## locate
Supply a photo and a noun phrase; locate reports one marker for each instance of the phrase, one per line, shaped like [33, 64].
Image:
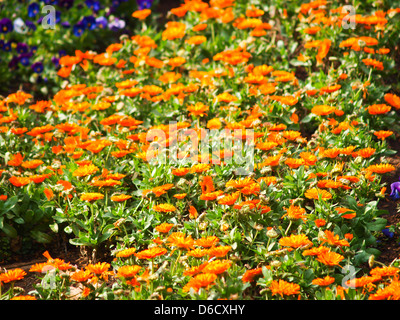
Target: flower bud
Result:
[271, 233]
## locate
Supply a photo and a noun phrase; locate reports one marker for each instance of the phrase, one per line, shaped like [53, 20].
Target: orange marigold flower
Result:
[128, 271]
[330, 258]
[229, 199]
[384, 271]
[219, 251]
[178, 239]
[91, 196]
[249, 275]
[383, 134]
[374, 63]
[141, 14]
[322, 110]
[85, 170]
[120, 197]
[164, 207]
[164, 227]
[217, 266]
[207, 242]
[376, 109]
[23, 297]
[16, 160]
[295, 241]
[12, 275]
[81, 275]
[48, 193]
[99, 268]
[151, 253]
[323, 282]
[282, 287]
[315, 193]
[203, 280]
[393, 100]
[332, 239]
[295, 213]
[125, 253]
[193, 214]
[381, 168]
[19, 181]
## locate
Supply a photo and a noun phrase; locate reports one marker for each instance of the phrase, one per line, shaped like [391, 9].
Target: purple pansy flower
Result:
[395, 190]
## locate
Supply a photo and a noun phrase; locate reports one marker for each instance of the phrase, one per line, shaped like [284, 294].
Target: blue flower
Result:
[388, 233]
[13, 62]
[89, 22]
[22, 48]
[33, 9]
[6, 25]
[24, 59]
[144, 4]
[395, 190]
[37, 67]
[7, 46]
[92, 4]
[30, 25]
[78, 29]
[101, 22]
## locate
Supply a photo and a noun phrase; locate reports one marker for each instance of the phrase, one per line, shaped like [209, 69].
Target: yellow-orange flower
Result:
[295, 241]
[284, 288]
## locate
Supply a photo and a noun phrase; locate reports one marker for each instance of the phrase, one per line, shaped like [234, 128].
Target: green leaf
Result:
[9, 204]
[9, 230]
[41, 237]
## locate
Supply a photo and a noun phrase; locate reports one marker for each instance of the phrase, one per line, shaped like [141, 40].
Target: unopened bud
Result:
[271, 233]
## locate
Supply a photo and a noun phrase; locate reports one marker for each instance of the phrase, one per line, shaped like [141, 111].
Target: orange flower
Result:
[295, 213]
[12, 275]
[384, 271]
[383, 134]
[91, 196]
[164, 207]
[330, 258]
[323, 282]
[294, 163]
[120, 197]
[151, 253]
[180, 172]
[19, 181]
[164, 227]
[322, 110]
[16, 160]
[366, 152]
[85, 170]
[381, 168]
[48, 193]
[199, 109]
[332, 239]
[376, 109]
[230, 199]
[282, 287]
[99, 269]
[81, 275]
[217, 266]
[128, 271]
[315, 193]
[193, 214]
[393, 100]
[249, 275]
[207, 242]
[295, 241]
[125, 253]
[179, 240]
[203, 280]
[220, 251]
[374, 63]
